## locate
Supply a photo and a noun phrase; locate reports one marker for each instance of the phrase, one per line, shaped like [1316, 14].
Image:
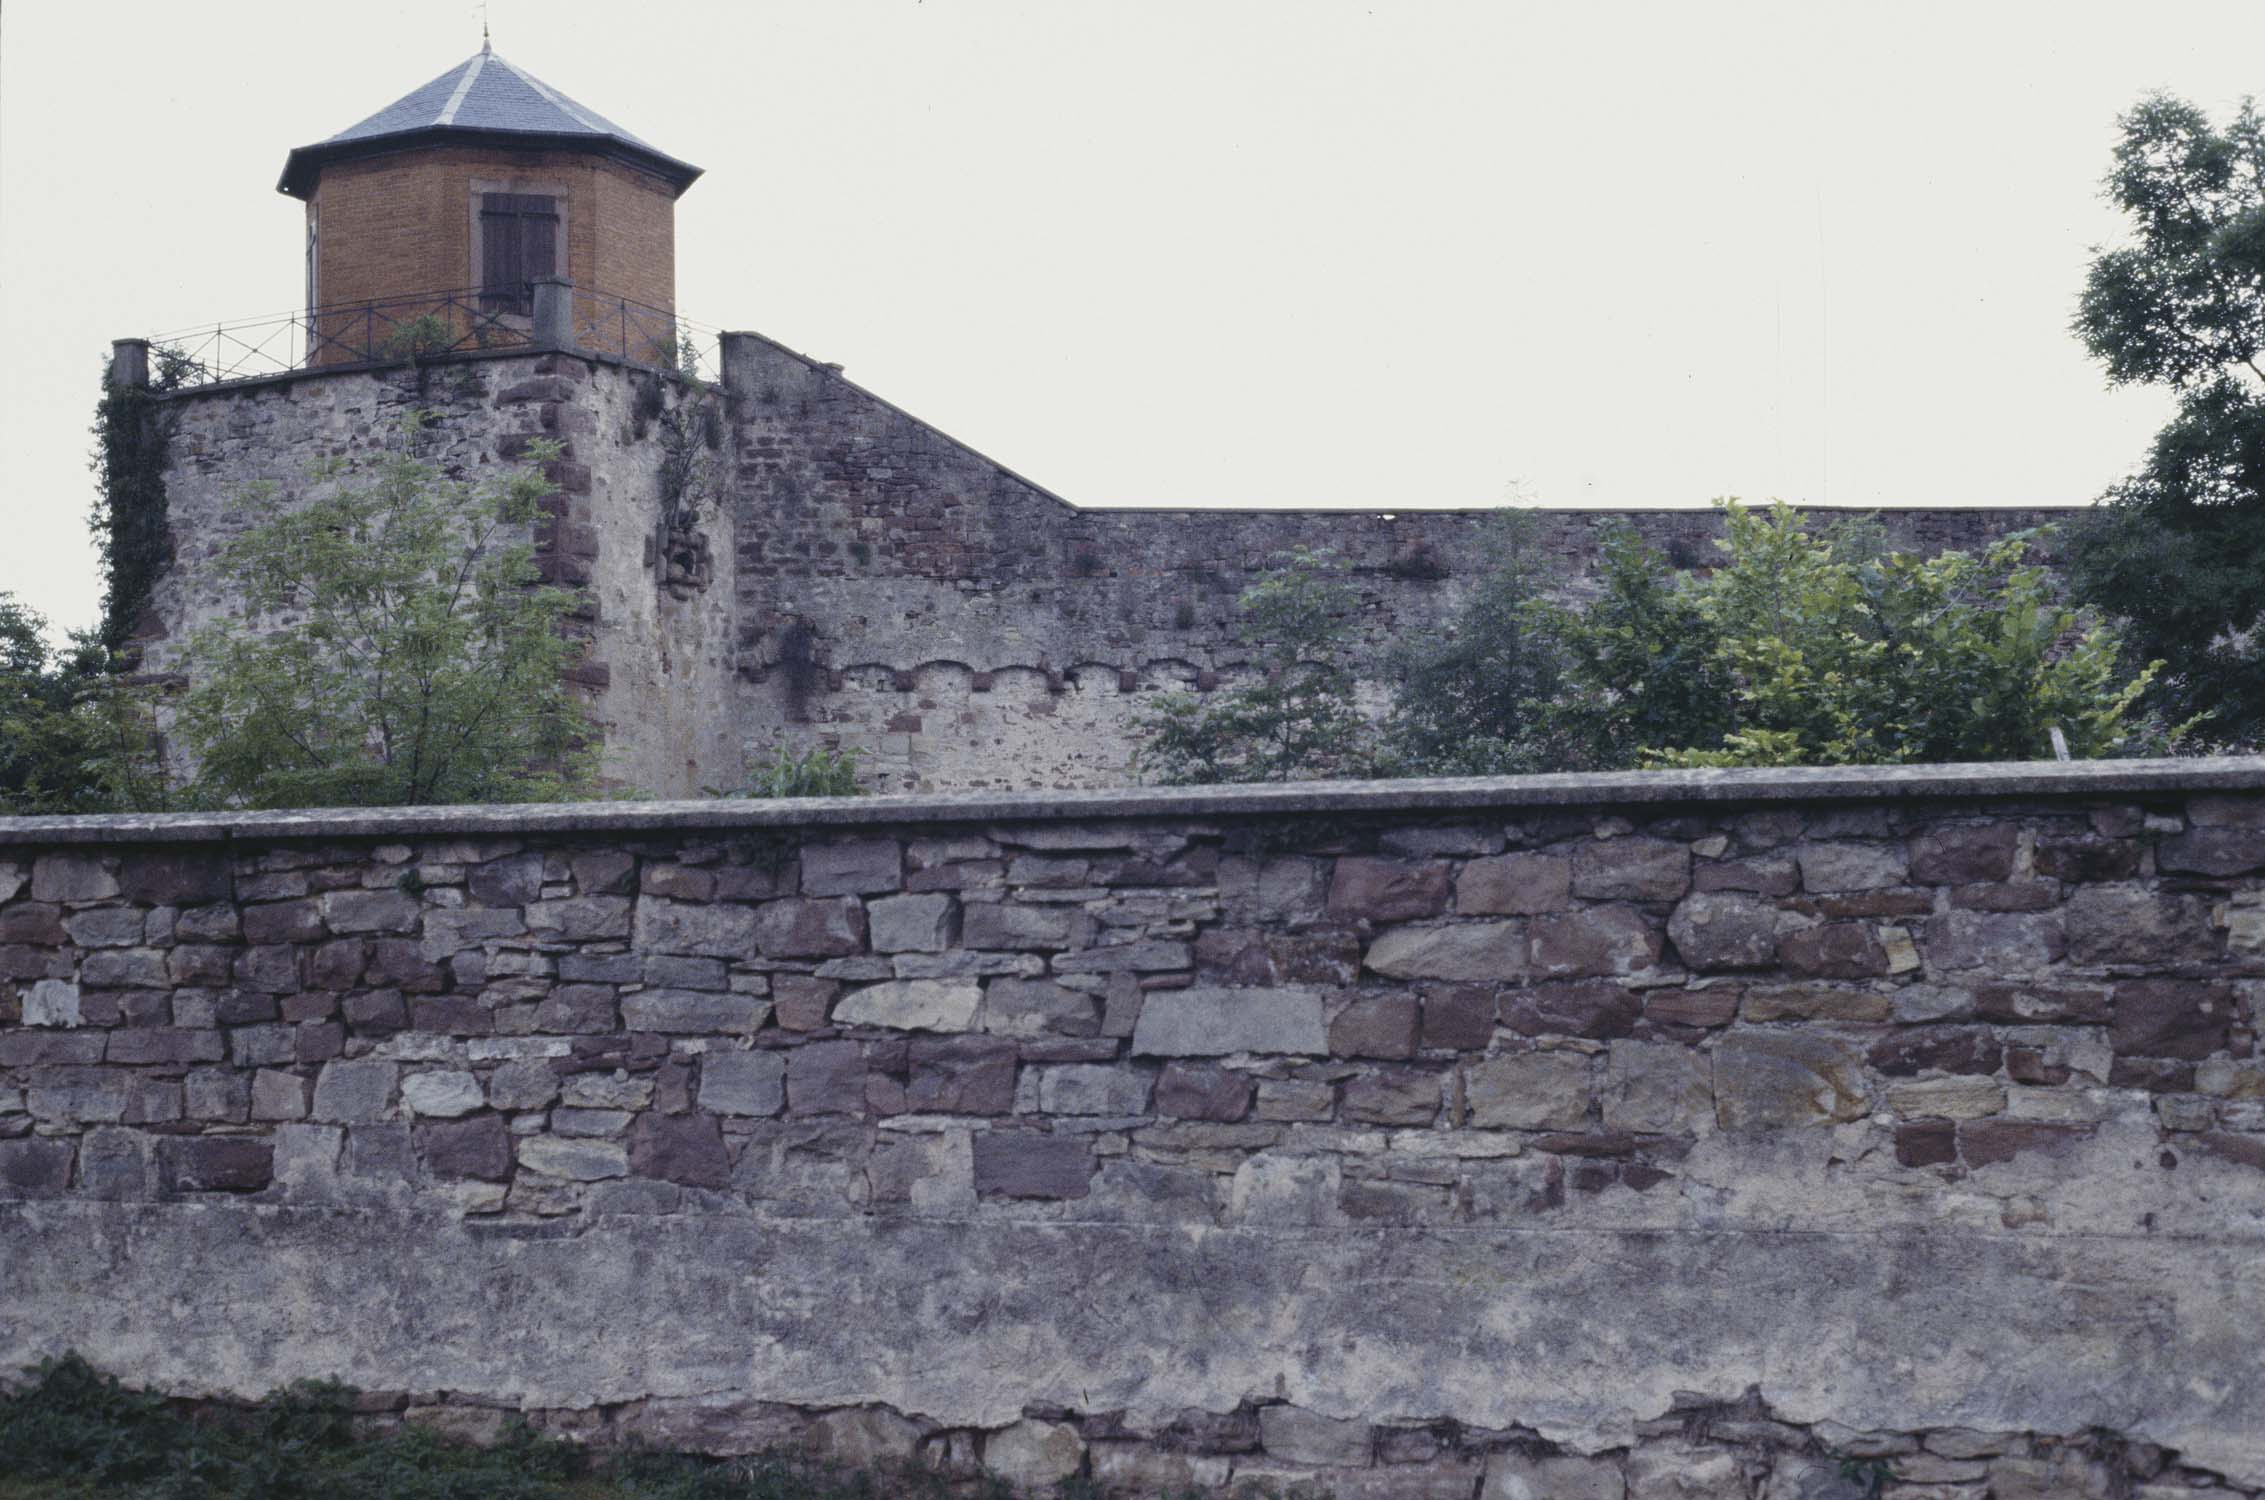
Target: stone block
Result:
[1937, 1049]
[345, 912]
[1926, 1143]
[1027, 1164]
[743, 1083]
[35, 1167]
[704, 929]
[1963, 854]
[1814, 1002]
[214, 1164]
[581, 1010]
[51, 1002]
[1725, 930]
[1387, 890]
[1292, 1434]
[352, 1093]
[582, 919]
[1033, 1455]
[1093, 1089]
[2181, 1018]
[1281, 1190]
[1631, 869]
[1514, 885]
[1772, 1080]
[960, 1075]
[1392, 1096]
[442, 1093]
[170, 878]
[852, 867]
[1528, 1091]
[479, 1148]
[1206, 1021]
[1947, 1098]
[2132, 924]
[1037, 1008]
[72, 877]
[511, 880]
[1377, 1026]
[687, 1149]
[1187, 1091]
[1595, 940]
[826, 1078]
[912, 1005]
[1154, 956]
[1514, 1476]
[865, 1437]
[794, 928]
[912, 924]
[1658, 1088]
[1596, 1010]
[278, 1095]
[1472, 952]
[573, 1160]
[2217, 852]
[1016, 926]
[694, 1012]
[1851, 866]
[1834, 950]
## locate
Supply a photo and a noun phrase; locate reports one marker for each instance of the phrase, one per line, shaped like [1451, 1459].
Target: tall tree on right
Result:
[2178, 550]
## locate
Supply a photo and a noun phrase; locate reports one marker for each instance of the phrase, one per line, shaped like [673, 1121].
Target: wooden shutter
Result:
[501, 288]
[538, 240]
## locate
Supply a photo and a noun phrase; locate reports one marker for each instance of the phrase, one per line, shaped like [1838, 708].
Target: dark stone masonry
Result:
[1711, 1134]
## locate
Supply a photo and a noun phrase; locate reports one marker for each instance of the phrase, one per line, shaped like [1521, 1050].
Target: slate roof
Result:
[480, 99]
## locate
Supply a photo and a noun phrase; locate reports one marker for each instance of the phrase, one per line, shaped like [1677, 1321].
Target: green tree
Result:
[397, 645]
[1297, 721]
[1798, 647]
[74, 737]
[2178, 551]
[816, 772]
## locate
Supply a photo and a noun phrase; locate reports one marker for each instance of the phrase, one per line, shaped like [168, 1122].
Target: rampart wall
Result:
[850, 575]
[1658, 1135]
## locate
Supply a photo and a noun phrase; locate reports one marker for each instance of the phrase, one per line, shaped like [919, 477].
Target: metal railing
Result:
[430, 325]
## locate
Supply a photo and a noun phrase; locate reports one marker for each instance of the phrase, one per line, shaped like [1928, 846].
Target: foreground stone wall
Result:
[848, 575]
[1685, 1134]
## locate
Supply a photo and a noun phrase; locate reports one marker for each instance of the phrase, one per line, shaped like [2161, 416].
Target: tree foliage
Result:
[396, 645]
[74, 738]
[2179, 552]
[1297, 719]
[1798, 647]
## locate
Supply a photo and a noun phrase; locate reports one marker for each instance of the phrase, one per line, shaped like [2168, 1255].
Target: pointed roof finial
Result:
[484, 48]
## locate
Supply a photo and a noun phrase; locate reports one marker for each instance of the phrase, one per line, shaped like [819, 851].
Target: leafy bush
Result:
[1297, 721]
[817, 772]
[74, 738]
[1798, 647]
[396, 645]
[427, 333]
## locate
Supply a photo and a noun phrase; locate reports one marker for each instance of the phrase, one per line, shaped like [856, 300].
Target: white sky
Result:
[1213, 252]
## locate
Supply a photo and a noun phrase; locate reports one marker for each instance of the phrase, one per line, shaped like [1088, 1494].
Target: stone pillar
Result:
[129, 363]
[756, 366]
[554, 313]
[738, 356]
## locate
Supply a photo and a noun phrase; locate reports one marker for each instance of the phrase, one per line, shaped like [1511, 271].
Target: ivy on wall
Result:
[132, 434]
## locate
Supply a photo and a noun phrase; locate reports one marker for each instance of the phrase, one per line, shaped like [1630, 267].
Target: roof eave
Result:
[305, 163]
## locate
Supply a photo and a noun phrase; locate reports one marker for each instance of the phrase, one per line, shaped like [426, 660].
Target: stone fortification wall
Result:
[1653, 1136]
[850, 575]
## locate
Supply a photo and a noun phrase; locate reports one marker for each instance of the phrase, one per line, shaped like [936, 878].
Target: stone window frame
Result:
[476, 236]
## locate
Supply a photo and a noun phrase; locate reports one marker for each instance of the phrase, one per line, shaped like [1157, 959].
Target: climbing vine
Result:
[132, 434]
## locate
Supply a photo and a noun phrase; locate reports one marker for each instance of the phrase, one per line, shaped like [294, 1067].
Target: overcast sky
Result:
[1213, 252]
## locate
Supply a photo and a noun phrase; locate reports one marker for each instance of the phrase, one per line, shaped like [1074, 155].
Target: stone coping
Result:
[2029, 780]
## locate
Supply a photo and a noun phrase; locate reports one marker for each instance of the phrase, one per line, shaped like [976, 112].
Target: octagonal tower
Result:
[430, 223]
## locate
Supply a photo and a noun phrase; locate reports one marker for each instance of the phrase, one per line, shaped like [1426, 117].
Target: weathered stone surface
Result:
[2171, 1018]
[664, 926]
[1713, 931]
[1937, 1049]
[51, 1002]
[1092, 1089]
[1631, 869]
[1514, 885]
[445, 1093]
[370, 911]
[214, 1164]
[1514, 1476]
[1814, 1002]
[912, 924]
[1851, 866]
[1596, 1010]
[573, 1160]
[865, 1438]
[1204, 1021]
[1658, 1088]
[2001, 943]
[1394, 1096]
[1594, 940]
[852, 867]
[2212, 851]
[1187, 1091]
[1012, 925]
[1379, 1026]
[961, 1075]
[1528, 1091]
[1295, 1435]
[1834, 950]
[1032, 1455]
[72, 877]
[911, 1005]
[693, 1012]
[1947, 1098]
[1478, 952]
[169, 878]
[1963, 854]
[355, 1092]
[826, 1078]
[1037, 1008]
[2133, 924]
[479, 1148]
[687, 1149]
[743, 1083]
[1388, 890]
[810, 929]
[1028, 1164]
[1767, 1080]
